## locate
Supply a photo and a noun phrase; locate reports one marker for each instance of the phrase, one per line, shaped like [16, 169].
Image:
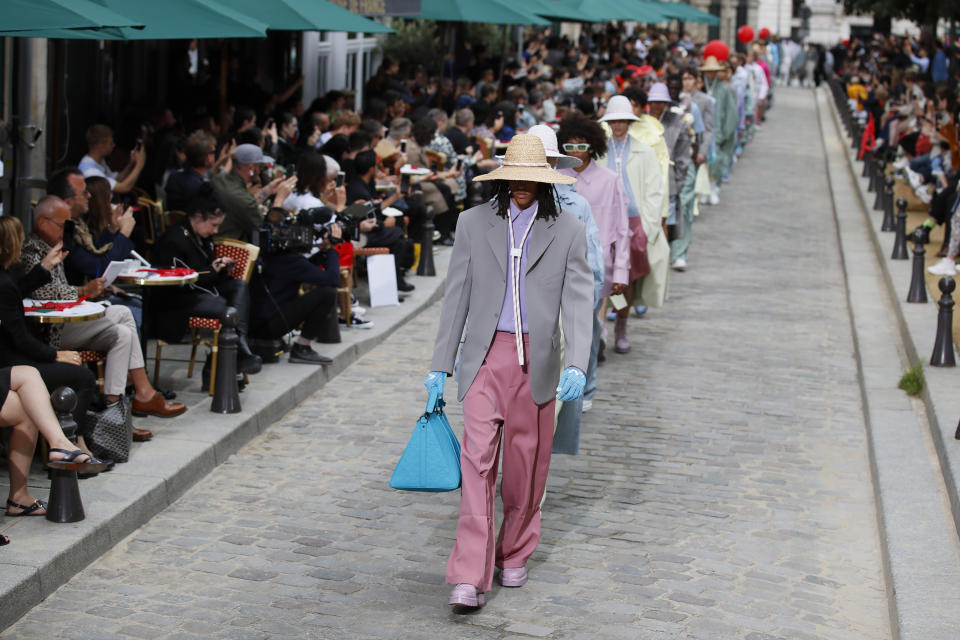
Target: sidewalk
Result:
[914, 457]
[43, 555]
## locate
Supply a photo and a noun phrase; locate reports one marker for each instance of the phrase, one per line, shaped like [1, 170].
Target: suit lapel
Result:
[540, 239]
[497, 239]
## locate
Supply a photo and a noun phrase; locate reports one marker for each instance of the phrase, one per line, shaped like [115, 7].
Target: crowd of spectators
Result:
[904, 92]
[651, 128]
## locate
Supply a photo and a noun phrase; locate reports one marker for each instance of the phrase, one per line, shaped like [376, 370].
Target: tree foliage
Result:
[923, 12]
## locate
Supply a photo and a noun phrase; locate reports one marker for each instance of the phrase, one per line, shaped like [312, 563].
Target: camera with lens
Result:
[320, 219]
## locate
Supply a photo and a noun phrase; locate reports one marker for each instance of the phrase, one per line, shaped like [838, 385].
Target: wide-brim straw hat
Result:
[526, 160]
[711, 64]
[619, 108]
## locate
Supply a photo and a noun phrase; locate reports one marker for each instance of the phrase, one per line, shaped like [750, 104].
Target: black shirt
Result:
[458, 139]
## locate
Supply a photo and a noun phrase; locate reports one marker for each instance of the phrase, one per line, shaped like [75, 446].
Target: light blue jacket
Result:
[575, 204]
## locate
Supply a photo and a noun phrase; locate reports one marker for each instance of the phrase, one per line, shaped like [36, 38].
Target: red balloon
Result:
[764, 33]
[718, 49]
[745, 34]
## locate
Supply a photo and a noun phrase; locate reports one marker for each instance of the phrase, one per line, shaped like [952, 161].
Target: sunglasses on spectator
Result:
[576, 146]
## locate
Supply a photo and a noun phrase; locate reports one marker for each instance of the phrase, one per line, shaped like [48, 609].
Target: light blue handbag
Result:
[431, 461]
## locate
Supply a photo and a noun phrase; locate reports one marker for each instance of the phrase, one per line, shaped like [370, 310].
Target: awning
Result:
[489, 11]
[307, 15]
[560, 10]
[164, 20]
[684, 12]
[29, 15]
[604, 10]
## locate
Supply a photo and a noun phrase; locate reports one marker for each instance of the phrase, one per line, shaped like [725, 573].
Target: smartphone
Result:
[499, 114]
[341, 176]
[520, 108]
[403, 145]
[139, 144]
[405, 183]
[459, 163]
[291, 170]
[68, 230]
[270, 121]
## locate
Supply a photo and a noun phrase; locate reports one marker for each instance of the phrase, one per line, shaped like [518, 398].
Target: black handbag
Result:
[110, 431]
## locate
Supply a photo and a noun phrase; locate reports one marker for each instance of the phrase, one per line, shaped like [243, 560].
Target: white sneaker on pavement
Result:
[946, 267]
[679, 265]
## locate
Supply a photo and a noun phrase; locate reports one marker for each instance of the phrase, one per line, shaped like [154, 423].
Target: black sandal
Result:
[27, 510]
[69, 463]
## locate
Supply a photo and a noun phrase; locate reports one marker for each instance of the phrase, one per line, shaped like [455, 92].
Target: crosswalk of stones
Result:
[722, 489]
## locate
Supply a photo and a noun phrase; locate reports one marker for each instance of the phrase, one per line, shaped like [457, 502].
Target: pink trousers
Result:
[499, 400]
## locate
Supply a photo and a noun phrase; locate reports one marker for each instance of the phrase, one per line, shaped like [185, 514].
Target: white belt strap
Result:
[516, 253]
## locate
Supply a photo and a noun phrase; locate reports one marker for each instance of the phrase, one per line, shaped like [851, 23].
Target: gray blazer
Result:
[558, 279]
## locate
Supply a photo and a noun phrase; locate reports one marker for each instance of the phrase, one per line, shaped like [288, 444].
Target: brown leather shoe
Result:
[158, 406]
[142, 435]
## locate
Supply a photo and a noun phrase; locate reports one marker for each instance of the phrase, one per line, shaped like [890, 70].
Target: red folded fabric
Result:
[56, 306]
[175, 271]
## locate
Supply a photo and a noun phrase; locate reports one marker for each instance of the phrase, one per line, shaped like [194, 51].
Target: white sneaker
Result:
[916, 180]
[924, 194]
[946, 267]
[902, 163]
[679, 265]
[705, 198]
[714, 198]
[587, 405]
[358, 310]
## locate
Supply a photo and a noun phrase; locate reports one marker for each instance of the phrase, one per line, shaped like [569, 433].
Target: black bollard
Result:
[226, 393]
[888, 221]
[878, 199]
[65, 504]
[867, 164]
[918, 287]
[943, 345]
[900, 241]
[425, 266]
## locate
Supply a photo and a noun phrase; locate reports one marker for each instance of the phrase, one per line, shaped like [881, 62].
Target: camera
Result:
[320, 219]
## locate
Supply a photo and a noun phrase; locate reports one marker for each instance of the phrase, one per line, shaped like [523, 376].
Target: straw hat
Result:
[618, 108]
[711, 64]
[525, 159]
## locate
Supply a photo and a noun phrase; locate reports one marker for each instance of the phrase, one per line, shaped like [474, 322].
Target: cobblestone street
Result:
[722, 490]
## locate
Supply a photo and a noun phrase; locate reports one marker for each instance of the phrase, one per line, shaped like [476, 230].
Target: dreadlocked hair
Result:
[546, 200]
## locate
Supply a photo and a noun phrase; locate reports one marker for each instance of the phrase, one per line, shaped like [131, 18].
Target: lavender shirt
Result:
[519, 220]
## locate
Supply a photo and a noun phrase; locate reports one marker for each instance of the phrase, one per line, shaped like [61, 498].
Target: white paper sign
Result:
[382, 276]
[114, 269]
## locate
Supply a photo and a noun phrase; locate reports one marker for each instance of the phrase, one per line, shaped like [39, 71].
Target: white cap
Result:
[549, 138]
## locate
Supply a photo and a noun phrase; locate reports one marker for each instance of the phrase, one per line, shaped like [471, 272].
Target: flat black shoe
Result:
[404, 286]
[249, 364]
[305, 354]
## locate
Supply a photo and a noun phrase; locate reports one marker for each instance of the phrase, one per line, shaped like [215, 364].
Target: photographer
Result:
[277, 306]
[382, 231]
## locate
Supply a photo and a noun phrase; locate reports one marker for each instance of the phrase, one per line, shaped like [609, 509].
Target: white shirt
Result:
[90, 167]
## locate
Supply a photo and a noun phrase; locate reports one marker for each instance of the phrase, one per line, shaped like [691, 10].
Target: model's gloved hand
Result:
[571, 385]
[434, 385]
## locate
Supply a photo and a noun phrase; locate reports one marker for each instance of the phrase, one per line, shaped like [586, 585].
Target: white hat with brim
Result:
[526, 160]
[549, 139]
[619, 108]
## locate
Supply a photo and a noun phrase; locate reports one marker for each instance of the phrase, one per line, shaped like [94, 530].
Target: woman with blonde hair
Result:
[24, 401]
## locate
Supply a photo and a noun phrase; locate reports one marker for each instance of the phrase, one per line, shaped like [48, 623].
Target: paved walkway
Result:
[722, 490]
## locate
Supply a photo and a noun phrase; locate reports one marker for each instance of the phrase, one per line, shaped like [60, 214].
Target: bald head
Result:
[49, 217]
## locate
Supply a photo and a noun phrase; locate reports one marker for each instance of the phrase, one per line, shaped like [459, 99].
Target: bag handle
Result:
[435, 404]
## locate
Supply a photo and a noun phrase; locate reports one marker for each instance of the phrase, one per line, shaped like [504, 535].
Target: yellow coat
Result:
[650, 130]
[650, 189]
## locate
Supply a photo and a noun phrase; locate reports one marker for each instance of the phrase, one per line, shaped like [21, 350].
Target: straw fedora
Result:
[711, 64]
[618, 108]
[526, 160]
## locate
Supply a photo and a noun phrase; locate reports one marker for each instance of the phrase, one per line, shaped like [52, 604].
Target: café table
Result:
[81, 312]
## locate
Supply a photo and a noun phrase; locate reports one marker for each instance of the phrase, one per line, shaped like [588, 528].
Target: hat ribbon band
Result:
[526, 164]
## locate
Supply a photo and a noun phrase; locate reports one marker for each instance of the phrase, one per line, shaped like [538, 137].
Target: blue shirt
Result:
[622, 150]
[520, 221]
[574, 203]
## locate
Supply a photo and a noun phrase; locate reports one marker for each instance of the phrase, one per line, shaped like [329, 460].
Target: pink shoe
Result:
[513, 576]
[621, 343]
[466, 595]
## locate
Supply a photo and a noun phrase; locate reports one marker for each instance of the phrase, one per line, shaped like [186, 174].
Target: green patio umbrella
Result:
[307, 15]
[684, 12]
[165, 20]
[562, 11]
[489, 11]
[28, 15]
[603, 10]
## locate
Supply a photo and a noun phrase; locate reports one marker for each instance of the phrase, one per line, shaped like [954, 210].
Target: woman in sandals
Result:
[25, 407]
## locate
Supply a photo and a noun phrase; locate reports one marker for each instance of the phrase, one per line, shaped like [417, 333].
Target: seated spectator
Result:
[115, 333]
[315, 188]
[283, 140]
[439, 187]
[239, 198]
[344, 122]
[100, 144]
[25, 406]
[278, 308]
[459, 133]
[190, 243]
[200, 151]
[18, 345]
[93, 250]
[383, 231]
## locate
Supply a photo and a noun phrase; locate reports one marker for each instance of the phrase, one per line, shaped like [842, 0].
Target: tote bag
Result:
[431, 461]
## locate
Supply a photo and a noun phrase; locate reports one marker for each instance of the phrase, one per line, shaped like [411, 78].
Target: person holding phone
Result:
[100, 144]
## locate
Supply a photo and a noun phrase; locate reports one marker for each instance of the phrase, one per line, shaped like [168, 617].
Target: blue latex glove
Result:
[572, 382]
[434, 385]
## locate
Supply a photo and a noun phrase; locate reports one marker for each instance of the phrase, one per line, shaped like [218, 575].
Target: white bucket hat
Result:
[619, 108]
[549, 139]
[526, 160]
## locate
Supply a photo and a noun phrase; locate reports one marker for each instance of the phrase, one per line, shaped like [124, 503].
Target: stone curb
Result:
[918, 530]
[43, 555]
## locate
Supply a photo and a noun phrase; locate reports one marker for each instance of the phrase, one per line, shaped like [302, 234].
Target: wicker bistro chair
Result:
[99, 358]
[436, 159]
[245, 256]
